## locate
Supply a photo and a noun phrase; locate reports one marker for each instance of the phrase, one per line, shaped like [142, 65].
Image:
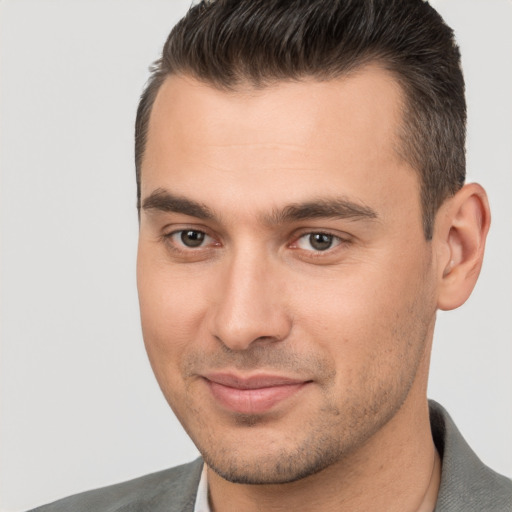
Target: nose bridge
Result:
[248, 308]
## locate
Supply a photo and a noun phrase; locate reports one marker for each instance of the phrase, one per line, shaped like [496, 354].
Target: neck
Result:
[398, 469]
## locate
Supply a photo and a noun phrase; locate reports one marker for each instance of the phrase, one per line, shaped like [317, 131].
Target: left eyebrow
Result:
[337, 208]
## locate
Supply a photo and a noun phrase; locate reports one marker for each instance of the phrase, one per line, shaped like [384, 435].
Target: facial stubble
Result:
[327, 434]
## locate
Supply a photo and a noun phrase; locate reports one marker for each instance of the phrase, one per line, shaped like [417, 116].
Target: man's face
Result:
[286, 287]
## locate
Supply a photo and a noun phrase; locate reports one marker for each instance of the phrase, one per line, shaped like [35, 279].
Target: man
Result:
[303, 215]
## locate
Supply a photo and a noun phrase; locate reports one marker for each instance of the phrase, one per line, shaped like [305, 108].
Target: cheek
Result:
[171, 307]
[368, 312]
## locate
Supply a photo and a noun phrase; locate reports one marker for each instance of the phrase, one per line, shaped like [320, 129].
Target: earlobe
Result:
[462, 225]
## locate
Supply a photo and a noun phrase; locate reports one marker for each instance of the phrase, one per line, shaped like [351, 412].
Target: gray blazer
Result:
[467, 485]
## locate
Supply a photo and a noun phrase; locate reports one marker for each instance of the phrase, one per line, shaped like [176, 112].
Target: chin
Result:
[263, 467]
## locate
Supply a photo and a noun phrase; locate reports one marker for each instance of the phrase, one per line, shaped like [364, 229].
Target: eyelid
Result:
[340, 238]
[175, 244]
[171, 231]
[176, 237]
[335, 242]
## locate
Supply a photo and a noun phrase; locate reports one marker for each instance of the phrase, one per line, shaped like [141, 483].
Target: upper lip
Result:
[251, 381]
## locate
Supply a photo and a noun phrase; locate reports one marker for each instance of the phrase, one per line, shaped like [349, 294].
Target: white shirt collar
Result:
[201, 504]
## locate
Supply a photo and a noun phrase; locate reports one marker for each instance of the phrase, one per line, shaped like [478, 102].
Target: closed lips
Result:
[256, 394]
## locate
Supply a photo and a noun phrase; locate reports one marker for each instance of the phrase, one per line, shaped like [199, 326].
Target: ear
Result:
[462, 224]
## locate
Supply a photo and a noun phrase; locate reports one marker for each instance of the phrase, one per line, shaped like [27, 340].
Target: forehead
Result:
[298, 137]
[368, 99]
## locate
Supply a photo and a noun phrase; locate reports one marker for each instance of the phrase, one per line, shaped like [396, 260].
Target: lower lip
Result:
[252, 401]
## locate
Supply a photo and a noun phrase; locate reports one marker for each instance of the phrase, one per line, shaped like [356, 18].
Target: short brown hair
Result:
[229, 42]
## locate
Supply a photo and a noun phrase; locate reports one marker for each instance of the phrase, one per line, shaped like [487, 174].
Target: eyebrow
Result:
[164, 201]
[335, 208]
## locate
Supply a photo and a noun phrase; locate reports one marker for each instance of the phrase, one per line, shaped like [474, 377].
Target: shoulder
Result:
[467, 484]
[169, 490]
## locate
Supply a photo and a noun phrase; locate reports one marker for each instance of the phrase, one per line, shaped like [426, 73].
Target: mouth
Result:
[255, 394]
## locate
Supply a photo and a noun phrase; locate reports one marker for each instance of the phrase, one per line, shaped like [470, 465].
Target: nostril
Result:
[235, 344]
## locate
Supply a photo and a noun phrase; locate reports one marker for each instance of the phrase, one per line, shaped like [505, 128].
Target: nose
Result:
[250, 307]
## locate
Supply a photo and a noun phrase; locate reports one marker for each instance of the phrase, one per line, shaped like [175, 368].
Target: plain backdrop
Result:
[79, 405]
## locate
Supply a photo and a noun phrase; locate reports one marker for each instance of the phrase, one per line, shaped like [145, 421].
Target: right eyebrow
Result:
[162, 200]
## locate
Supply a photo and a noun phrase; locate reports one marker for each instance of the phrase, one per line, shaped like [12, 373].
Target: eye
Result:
[317, 241]
[190, 238]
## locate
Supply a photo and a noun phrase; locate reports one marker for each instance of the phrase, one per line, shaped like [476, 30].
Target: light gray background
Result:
[79, 405]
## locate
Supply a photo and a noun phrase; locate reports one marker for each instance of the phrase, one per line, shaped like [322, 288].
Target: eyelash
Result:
[180, 248]
[336, 240]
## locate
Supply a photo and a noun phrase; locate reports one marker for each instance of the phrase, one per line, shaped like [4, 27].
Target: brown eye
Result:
[317, 242]
[320, 241]
[192, 238]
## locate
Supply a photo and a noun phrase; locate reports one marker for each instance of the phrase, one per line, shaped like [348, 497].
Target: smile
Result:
[252, 395]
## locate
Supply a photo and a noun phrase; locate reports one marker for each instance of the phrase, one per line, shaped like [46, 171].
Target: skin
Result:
[352, 323]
